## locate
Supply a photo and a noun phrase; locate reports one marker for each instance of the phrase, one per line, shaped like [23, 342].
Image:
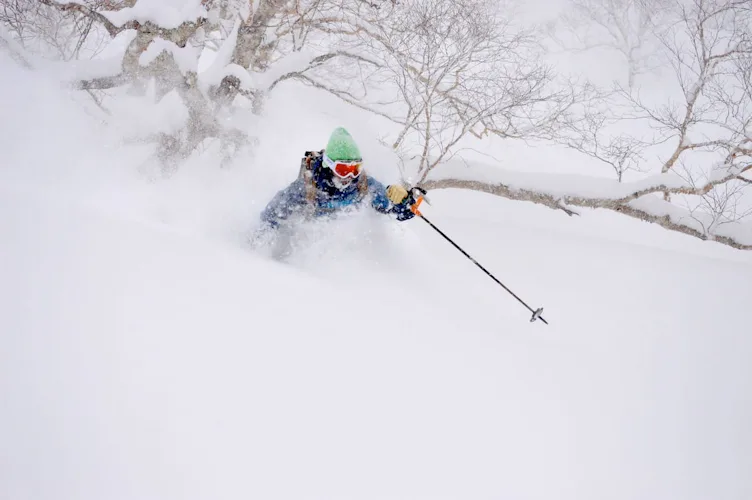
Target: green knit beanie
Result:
[341, 146]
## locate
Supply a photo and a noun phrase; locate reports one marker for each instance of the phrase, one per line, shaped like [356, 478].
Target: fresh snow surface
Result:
[145, 353]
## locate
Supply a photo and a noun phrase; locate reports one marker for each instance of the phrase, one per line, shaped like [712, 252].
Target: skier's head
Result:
[342, 158]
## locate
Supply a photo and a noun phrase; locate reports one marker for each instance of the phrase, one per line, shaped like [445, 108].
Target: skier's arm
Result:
[380, 201]
[285, 203]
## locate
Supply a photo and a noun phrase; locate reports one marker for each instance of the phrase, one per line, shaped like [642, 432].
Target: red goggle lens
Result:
[347, 169]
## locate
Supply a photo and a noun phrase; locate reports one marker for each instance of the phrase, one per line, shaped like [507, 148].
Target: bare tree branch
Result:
[628, 27]
[15, 52]
[340, 94]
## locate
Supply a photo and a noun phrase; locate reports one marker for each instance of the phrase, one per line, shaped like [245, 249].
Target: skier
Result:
[331, 180]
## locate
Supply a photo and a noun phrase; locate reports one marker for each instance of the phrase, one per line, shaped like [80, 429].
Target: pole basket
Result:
[537, 315]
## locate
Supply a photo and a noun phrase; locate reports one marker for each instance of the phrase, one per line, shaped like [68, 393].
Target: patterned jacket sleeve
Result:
[381, 203]
[285, 203]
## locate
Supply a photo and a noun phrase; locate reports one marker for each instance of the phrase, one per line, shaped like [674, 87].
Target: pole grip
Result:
[414, 208]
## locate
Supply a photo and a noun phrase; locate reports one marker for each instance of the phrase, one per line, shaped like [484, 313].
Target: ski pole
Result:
[537, 313]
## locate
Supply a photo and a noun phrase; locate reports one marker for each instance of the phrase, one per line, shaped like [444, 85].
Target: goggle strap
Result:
[328, 162]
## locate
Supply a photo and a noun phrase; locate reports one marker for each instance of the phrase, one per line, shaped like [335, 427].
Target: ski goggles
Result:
[344, 168]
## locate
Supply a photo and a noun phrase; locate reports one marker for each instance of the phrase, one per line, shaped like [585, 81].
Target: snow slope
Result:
[146, 354]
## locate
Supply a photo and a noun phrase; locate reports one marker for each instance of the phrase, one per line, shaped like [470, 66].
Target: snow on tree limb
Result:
[167, 14]
[186, 57]
[104, 83]
[133, 18]
[565, 192]
[702, 132]
[579, 188]
[680, 223]
[81, 8]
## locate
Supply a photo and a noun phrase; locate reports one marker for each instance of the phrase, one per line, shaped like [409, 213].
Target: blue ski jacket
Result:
[322, 198]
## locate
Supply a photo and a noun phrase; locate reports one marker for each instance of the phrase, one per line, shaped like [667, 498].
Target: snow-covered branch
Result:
[568, 192]
[702, 132]
[91, 13]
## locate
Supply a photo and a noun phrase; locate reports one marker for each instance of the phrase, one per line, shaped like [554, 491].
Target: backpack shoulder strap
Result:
[363, 185]
[306, 163]
[306, 173]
